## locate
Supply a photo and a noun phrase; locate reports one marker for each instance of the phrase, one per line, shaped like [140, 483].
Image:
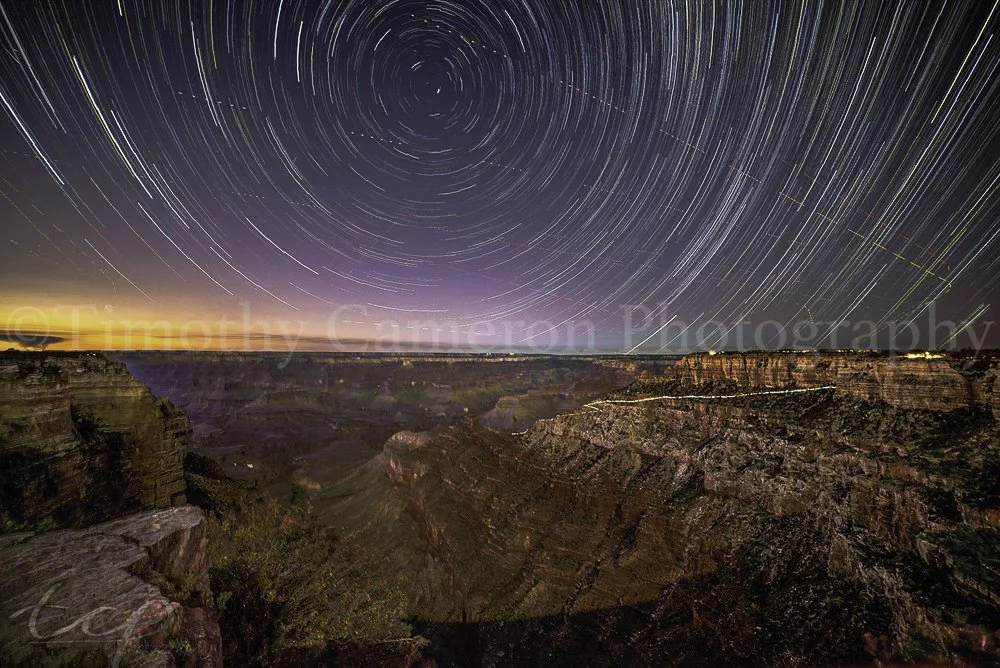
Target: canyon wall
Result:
[81, 440]
[852, 524]
[936, 382]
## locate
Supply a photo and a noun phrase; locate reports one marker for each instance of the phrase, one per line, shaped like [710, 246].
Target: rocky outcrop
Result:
[408, 440]
[936, 381]
[126, 592]
[829, 527]
[81, 440]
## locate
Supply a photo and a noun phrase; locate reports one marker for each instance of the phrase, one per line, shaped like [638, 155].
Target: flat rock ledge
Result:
[121, 593]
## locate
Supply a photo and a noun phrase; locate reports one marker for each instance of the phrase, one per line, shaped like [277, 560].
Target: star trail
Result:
[498, 173]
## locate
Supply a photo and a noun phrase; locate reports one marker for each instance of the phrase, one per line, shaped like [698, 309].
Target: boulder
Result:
[125, 592]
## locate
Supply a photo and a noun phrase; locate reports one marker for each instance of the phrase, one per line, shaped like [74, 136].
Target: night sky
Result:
[527, 175]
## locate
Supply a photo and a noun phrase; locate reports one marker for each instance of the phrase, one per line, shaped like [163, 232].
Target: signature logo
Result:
[97, 625]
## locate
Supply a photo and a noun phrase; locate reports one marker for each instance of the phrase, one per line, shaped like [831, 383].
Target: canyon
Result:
[303, 422]
[772, 508]
[738, 524]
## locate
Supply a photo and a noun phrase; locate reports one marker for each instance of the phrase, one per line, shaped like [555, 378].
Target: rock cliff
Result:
[852, 524]
[125, 592]
[936, 381]
[82, 441]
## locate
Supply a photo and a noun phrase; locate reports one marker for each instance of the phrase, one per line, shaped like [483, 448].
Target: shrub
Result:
[285, 584]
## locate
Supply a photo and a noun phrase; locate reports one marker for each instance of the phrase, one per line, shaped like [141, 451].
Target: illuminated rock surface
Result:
[124, 592]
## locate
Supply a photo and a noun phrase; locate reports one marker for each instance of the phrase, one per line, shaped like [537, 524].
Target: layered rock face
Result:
[81, 440]
[941, 383]
[853, 524]
[126, 592]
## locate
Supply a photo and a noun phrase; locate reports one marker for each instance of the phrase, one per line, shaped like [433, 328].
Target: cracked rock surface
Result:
[124, 592]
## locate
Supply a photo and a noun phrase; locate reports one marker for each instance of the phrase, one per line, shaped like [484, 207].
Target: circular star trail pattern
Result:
[508, 162]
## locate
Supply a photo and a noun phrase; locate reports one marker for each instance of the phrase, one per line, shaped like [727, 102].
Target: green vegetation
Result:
[288, 588]
[181, 648]
[10, 525]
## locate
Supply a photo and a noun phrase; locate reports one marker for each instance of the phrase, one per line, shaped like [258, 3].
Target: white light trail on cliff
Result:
[594, 404]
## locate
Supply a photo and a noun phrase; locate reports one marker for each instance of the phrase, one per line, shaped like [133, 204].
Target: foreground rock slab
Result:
[124, 592]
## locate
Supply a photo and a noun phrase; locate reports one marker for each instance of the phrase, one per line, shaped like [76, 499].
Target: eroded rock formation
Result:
[82, 441]
[935, 382]
[852, 524]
